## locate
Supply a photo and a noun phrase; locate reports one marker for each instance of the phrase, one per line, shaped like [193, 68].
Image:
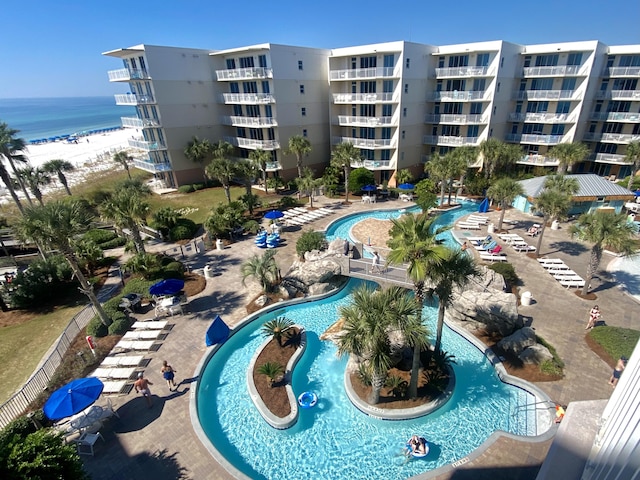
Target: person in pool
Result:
[418, 445]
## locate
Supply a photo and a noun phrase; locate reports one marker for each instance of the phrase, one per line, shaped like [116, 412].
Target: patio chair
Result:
[86, 442]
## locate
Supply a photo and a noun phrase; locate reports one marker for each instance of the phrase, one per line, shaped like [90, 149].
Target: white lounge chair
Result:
[122, 361]
[150, 325]
[572, 282]
[113, 386]
[564, 274]
[493, 258]
[550, 261]
[520, 247]
[135, 344]
[115, 373]
[468, 226]
[141, 335]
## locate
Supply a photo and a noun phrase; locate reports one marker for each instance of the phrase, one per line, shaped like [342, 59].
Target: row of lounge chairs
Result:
[473, 222]
[516, 242]
[300, 216]
[562, 273]
[488, 249]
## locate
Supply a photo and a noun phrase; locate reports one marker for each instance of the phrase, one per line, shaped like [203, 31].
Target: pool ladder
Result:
[536, 406]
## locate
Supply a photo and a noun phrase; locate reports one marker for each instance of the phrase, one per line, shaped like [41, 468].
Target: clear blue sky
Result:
[53, 49]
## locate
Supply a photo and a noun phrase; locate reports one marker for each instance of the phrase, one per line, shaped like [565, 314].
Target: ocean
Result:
[37, 118]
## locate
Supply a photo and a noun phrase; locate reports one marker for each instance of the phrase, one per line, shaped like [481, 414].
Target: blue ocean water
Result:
[47, 117]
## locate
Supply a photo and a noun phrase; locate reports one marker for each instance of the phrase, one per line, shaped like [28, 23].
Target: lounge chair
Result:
[523, 247]
[141, 335]
[468, 226]
[122, 361]
[564, 274]
[556, 267]
[496, 250]
[150, 325]
[572, 282]
[115, 373]
[113, 386]
[135, 345]
[490, 246]
[493, 258]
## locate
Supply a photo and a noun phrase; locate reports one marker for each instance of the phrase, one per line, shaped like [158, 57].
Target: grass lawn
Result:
[616, 341]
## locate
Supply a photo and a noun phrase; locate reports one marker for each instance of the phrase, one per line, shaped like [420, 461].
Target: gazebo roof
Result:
[590, 185]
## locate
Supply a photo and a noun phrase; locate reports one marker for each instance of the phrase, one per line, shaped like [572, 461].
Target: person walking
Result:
[594, 315]
[142, 386]
[615, 376]
[168, 373]
[375, 263]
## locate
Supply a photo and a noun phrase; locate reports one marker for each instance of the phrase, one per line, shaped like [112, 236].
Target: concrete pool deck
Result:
[160, 442]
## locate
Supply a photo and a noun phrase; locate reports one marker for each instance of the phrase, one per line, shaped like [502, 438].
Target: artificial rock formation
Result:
[518, 341]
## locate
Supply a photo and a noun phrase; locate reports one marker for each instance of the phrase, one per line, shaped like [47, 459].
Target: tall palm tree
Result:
[127, 208]
[403, 176]
[263, 268]
[223, 170]
[11, 148]
[299, 146]
[199, 151]
[603, 230]
[222, 150]
[568, 154]
[343, 155]
[632, 155]
[468, 156]
[554, 201]
[34, 178]
[123, 158]
[57, 226]
[491, 151]
[413, 242]
[453, 270]
[59, 166]
[437, 168]
[307, 184]
[246, 171]
[260, 158]
[504, 191]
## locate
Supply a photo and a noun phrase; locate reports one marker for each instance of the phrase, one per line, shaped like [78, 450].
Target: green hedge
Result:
[120, 325]
[96, 328]
[186, 189]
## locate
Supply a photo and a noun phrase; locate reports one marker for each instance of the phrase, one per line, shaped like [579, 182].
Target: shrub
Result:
[99, 235]
[186, 189]
[507, 271]
[22, 426]
[120, 325]
[138, 285]
[288, 202]
[180, 232]
[251, 226]
[42, 282]
[198, 186]
[310, 241]
[96, 328]
[360, 177]
[173, 270]
[115, 243]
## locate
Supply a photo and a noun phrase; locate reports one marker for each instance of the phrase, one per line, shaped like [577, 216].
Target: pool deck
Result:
[160, 442]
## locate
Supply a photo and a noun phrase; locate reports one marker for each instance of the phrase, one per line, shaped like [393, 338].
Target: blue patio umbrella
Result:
[273, 214]
[406, 186]
[484, 206]
[170, 286]
[369, 188]
[637, 192]
[72, 398]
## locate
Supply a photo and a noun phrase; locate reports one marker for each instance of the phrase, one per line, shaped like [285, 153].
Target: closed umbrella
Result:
[273, 214]
[72, 398]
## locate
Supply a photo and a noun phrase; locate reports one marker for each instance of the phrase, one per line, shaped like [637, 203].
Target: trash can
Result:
[208, 271]
[491, 228]
[525, 298]
[219, 244]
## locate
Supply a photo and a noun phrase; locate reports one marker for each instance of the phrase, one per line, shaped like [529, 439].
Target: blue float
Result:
[307, 399]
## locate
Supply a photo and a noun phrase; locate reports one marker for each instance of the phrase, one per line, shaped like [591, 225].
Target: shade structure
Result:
[406, 186]
[170, 286]
[217, 332]
[273, 214]
[484, 206]
[72, 398]
[369, 188]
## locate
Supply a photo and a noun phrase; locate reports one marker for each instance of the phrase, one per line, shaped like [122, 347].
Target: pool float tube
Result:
[307, 399]
[417, 454]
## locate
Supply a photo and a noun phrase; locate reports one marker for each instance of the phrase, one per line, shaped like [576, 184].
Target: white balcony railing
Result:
[366, 142]
[134, 122]
[146, 145]
[244, 73]
[448, 140]
[152, 167]
[456, 96]
[359, 73]
[556, 71]
[250, 121]
[619, 94]
[373, 164]
[131, 99]
[347, 120]
[273, 166]
[612, 137]
[534, 139]
[616, 117]
[455, 119]
[545, 95]
[463, 72]
[248, 98]
[621, 72]
[542, 117]
[610, 158]
[362, 97]
[538, 160]
[124, 75]
[252, 144]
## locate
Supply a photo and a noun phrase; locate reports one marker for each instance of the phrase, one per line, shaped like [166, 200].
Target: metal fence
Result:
[17, 404]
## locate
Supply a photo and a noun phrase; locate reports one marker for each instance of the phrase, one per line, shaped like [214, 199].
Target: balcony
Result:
[149, 166]
[619, 95]
[244, 73]
[558, 71]
[362, 97]
[623, 138]
[252, 144]
[131, 99]
[250, 121]
[452, 119]
[368, 143]
[373, 164]
[146, 145]
[125, 75]
[135, 122]
[273, 166]
[454, 72]
[545, 95]
[542, 117]
[456, 96]
[248, 98]
[348, 121]
[621, 72]
[534, 139]
[616, 117]
[538, 161]
[610, 158]
[362, 73]
[449, 140]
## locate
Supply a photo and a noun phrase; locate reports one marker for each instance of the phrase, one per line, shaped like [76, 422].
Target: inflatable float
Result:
[307, 399]
[415, 454]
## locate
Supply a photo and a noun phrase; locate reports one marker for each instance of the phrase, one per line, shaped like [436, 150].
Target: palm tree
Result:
[413, 242]
[57, 225]
[260, 158]
[127, 208]
[246, 171]
[222, 150]
[58, 167]
[437, 169]
[504, 191]
[468, 156]
[453, 270]
[123, 158]
[603, 230]
[10, 149]
[343, 155]
[307, 184]
[199, 151]
[299, 146]
[272, 370]
[632, 156]
[554, 201]
[263, 268]
[223, 170]
[568, 154]
[34, 178]
[403, 176]
[491, 150]
[276, 328]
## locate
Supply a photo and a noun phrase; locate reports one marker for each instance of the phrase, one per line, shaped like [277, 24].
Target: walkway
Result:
[160, 442]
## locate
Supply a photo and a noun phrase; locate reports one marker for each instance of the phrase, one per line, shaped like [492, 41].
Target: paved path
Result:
[160, 442]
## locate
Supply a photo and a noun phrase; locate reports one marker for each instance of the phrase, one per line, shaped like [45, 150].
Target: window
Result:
[389, 60]
[143, 67]
[574, 59]
[619, 106]
[482, 60]
[133, 63]
[265, 86]
[246, 62]
[404, 112]
[271, 134]
[253, 111]
[368, 154]
[302, 89]
[368, 62]
[542, 84]
[408, 63]
[354, 63]
[458, 61]
[241, 132]
[440, 62]
[304, 132]
[386, 110]
[406, 88]
[234, 88]
[557, 129]
[231, 63]
[527, 61]
[479, 84]
[518, 107]
[386, 133]
[451, 130]
[532, 128]
[604, 85]
[267, 111]
[502, 62]
[367, 110]
[387, 86]
[385, 155]
[262, 61]
[563, 107]
[452, 108]
[354, 87]
[303, 111]
[498, 87]
[476, 108]
[537, 107]
[568, 84]
[249, 87]
[547, 60]
[367, 87]
[630, 61]
[610, 61]
[300, 66]
[514, 129]
[472, 130]
[403, 133]
[453, 85]
[625, 84]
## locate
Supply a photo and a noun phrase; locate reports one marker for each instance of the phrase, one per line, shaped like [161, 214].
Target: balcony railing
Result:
[557, 71]
[535, 139]
[538, 160]
[252, 144]
[131, 99]
[448, 140]
[463, 72]
[152, 167]
[248, 98]
[373, 164]
[454, 119]
[273, 166]
[541, 117]
[244, 73]
[347, 120]
[456, 96]
[544, 95]
[362, 97]
[610, 158]
[124, 75]
[146, 145]
[366, 142]
[134, 122]
[619, 94]
[621, 72]
[616, 117]
[359, 73]
[250, 121]
[611, 137]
